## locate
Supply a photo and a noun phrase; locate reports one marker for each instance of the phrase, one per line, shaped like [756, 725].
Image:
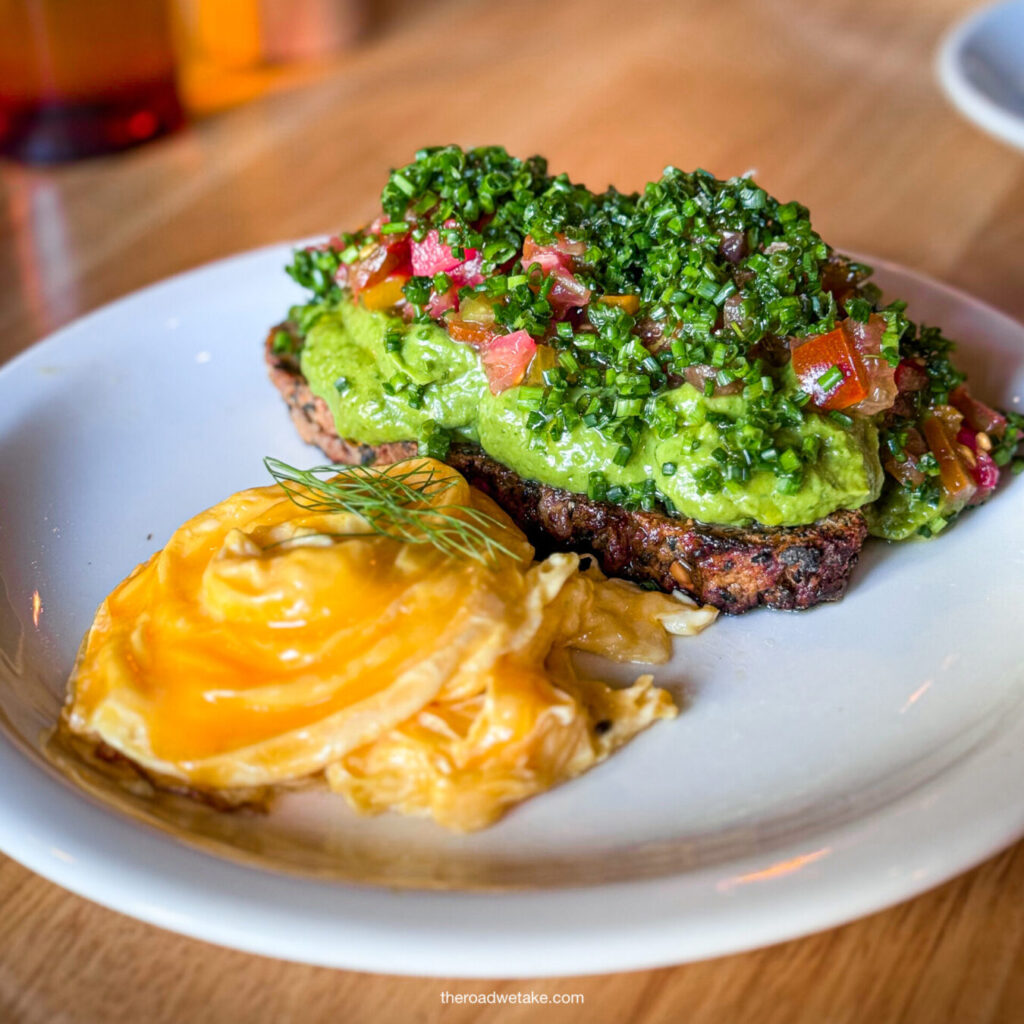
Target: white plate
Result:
[829, 763]
[981, 67]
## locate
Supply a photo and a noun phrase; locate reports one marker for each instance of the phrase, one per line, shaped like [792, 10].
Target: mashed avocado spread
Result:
[347, 364]
[695, 347]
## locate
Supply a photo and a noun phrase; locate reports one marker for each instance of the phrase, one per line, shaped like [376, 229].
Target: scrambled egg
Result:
[267, 644]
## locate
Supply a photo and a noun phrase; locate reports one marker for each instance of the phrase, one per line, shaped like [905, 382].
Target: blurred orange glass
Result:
[233, 50]
[82, 77]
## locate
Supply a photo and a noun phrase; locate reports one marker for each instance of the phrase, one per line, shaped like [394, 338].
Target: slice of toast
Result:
[734, 569]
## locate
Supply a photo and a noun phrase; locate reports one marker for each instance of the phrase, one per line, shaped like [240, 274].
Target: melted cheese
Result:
[266, 644]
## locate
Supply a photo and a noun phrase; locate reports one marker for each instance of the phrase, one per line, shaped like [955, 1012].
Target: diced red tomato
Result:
[879, 376]
[984, 472]
[813, 358]
[389, 257]
[563, 250]
[468, 271]
[910, 376]
[432, 256]
[560, 253]
[957, 482]
[977, 414]
[547, 259]
[477, 335]
[441, 302]
[558, 261]
[698, 374]
[908, 471]
[506, 358]
[567, 292]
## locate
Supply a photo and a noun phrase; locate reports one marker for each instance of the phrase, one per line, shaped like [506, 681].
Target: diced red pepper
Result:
[506, 358]
[813, 358]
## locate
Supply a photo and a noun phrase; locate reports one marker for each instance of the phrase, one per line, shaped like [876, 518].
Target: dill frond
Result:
[395, 502]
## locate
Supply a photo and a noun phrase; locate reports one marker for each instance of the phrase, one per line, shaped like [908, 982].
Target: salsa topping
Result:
[598, 305]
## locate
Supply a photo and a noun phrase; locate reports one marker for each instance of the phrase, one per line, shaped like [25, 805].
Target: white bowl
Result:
[981, 66]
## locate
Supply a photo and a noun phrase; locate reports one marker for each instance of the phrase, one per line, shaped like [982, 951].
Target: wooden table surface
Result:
[834, 103]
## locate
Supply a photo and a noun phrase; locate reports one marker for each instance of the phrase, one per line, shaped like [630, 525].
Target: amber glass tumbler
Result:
[83, 77]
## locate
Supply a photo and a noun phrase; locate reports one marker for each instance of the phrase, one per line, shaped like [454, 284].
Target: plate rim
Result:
[41, 815]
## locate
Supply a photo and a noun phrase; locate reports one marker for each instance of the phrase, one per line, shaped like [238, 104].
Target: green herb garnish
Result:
[1006, 450]
[722, 278]
[395, 502]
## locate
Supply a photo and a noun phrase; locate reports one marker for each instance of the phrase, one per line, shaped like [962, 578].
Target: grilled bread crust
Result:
[733, 568]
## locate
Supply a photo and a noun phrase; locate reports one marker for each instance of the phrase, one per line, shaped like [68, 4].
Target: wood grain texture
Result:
[834, 103]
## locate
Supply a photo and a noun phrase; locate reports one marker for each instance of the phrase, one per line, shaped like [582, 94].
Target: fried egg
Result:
[268, 644]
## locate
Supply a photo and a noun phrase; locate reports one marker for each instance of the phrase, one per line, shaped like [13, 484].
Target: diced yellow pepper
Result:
[630, 303]
[384, 295]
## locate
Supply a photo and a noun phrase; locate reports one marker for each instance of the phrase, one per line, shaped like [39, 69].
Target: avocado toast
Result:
[687, 382]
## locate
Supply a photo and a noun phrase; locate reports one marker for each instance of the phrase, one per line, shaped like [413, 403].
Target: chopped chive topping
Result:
[597, 487]
[403, 183]
[715, 278]
[789, 460]
[434, 441]
[830, 378]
